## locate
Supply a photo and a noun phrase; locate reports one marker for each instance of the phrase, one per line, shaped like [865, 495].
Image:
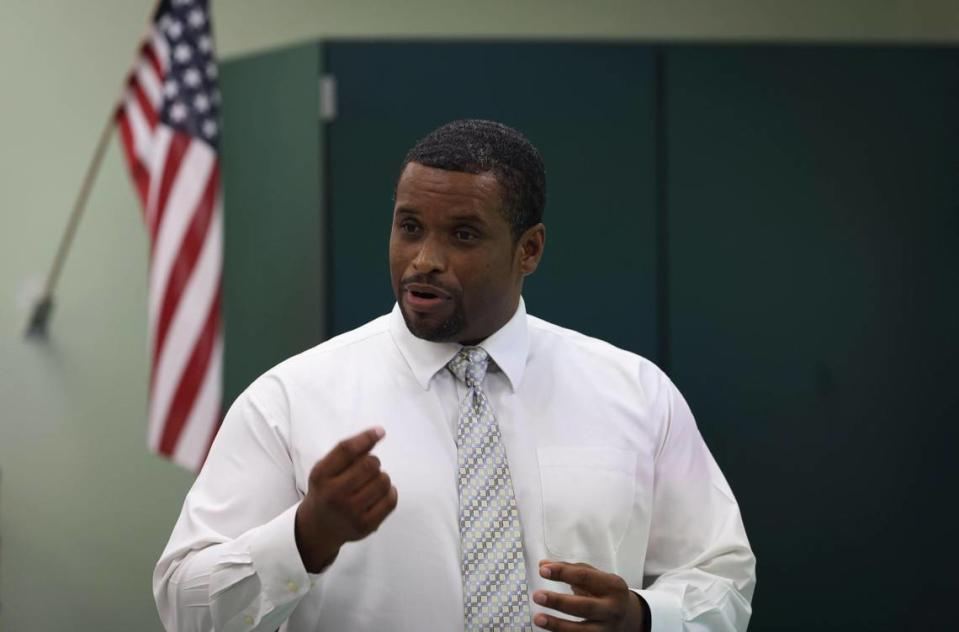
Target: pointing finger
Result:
[347, 451]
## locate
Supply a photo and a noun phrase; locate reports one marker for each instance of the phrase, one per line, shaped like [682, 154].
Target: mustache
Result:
[428, 279]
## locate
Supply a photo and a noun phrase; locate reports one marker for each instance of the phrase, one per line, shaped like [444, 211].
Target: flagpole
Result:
[40, 317]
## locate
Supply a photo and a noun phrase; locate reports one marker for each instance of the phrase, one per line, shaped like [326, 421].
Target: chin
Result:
[435, 331]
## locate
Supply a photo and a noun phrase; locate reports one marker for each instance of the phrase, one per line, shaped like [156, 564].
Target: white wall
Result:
[84, 509]
[255, 24]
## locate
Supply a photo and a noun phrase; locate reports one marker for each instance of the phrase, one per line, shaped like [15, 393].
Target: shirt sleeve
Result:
[232, 562]
[700, 571]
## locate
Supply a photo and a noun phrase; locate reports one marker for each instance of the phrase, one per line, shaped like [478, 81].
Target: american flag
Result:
[168, 121]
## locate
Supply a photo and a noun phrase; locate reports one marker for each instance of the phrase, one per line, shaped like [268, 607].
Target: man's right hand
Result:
[347, 499]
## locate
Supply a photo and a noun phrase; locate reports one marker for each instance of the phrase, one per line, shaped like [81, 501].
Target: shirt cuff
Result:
[277, 562]
[665, 610]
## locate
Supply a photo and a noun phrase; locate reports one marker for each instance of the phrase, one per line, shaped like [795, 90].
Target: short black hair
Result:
[479, 146]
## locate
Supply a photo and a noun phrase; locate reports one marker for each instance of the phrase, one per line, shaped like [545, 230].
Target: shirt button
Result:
[292, 586]
[248, 620]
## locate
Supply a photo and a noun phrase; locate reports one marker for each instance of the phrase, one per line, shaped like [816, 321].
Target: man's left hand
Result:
[603, 600]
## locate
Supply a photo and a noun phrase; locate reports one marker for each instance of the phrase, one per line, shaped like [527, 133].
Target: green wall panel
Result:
[587, 107]
[814, 319]
[273, 277]
[802, 282]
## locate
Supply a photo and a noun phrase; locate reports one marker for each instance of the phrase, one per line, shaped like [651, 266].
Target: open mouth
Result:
[426, 291]
[425, 297]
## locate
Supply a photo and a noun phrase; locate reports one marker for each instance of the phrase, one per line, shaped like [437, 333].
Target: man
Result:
[524, 474]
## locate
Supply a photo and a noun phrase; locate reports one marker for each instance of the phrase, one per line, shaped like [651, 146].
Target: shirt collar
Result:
[508, 347]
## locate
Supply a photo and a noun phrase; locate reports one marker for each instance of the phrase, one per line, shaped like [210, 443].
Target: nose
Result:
[430, 257]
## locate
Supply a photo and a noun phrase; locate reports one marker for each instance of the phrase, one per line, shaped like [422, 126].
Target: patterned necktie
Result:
[493, 566]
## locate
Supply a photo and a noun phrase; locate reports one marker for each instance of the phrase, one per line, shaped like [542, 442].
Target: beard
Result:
[446, 330]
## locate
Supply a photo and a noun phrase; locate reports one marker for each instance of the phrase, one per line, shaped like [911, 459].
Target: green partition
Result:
[813, 240]
[590, 110]
[275, 243]
[783, 220]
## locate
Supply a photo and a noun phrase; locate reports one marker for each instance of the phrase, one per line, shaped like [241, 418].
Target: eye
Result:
[463, 234]
[409, 227]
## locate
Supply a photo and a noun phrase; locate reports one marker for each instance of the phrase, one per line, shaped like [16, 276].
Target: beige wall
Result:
[84, 509]
[255, 24]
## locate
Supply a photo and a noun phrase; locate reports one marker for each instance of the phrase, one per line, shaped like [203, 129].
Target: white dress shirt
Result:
[607, 463]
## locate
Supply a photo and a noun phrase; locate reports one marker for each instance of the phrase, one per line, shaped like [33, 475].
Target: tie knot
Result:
[469, 366]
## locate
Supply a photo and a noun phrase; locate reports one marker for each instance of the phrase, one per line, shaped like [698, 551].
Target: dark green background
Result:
[599, 154]
[777, 226]
[273, 286]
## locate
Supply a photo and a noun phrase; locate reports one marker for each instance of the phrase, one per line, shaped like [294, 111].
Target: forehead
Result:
[422, 188]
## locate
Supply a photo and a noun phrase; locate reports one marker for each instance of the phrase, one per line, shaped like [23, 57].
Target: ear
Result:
[531, 245]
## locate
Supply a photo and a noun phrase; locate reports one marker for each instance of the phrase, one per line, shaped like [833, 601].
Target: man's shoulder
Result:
[368, 338]
[558, 338]
[327, 365]
[582, 348]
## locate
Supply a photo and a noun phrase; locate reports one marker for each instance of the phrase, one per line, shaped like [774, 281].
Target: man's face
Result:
[457, 272]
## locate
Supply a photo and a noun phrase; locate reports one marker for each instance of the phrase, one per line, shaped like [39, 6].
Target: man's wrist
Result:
[315, 553]
[646, 622]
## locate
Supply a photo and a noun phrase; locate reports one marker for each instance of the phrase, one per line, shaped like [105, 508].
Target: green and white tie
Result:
[494, 570]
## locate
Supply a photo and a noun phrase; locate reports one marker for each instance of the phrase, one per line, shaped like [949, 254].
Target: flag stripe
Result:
[180, 146]
[147, 78]
[168, 119]
[139, 128]
[150, 55]
[194, 441]
[189, 182]
[193, 240]
[156, 165]
[160, 48]
[185, 327]
[149, 112]
[141, 178]
[190, 380]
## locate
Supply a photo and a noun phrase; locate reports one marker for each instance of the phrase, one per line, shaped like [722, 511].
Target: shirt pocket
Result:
[588, 498]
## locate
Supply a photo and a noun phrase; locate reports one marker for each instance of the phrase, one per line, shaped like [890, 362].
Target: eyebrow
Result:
[469, 217]
[456, 217]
